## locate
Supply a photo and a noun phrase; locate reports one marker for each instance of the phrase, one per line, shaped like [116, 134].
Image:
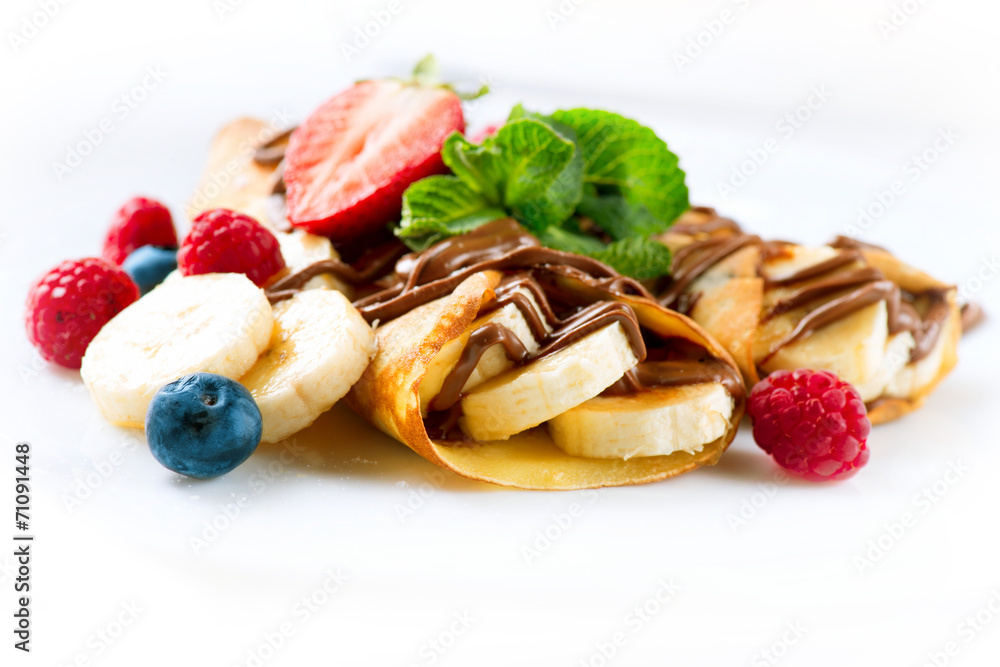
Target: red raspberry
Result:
[812, 422]
[69, 305]
[223, 241]
[141, 221]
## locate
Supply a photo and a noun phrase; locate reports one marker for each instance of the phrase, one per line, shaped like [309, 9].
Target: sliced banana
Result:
[320, 346]
[535, 393]
[216, 323]
[493, 362]
[912, 379]
[300, 249]
[653, 422]
[853, 347]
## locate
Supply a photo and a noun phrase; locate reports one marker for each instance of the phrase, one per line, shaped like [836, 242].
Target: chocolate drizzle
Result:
[272, 151]
[831, 287]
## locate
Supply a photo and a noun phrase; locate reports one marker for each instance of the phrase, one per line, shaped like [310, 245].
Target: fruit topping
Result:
[224, 241]
[348, 164]
[149, 265]
[141, 221]
[203, 425]
[70, 304]
[812, 422]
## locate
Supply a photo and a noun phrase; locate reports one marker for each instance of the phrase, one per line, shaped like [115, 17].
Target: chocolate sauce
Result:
[529, 269]
[693, 260]
[851, 290]
[272, 151]
[972, 316]
[574, 328]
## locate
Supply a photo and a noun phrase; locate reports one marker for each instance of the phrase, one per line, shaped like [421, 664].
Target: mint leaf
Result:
[437, 207]
[625, 158]
[639, 257]
[527, 167]
[566, 240]
[616, 216]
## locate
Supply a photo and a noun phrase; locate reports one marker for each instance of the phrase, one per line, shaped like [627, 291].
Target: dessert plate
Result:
[342, 541]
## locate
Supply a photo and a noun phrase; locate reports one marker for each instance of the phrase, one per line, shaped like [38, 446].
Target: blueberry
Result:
[203, 425]
[149, 265]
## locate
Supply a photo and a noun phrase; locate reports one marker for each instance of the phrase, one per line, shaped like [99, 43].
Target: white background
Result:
[749, 559]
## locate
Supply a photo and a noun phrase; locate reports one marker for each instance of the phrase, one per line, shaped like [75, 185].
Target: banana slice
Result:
[300, 249]
[319, 348]
[216, 323]
[912, 379]
[853, 347]
[794, 258]
[494, 361]
[528, 396]
[654, 422]
[857, 347]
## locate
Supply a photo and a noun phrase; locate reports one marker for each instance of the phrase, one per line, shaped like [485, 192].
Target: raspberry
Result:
[223, 241]
[141, 221]
[812, 422]
[69, 305]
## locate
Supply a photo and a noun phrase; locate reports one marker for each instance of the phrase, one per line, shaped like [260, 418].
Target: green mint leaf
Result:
[437, 207]
[616, 216]
[639, 257]
[568, 240]
[527, 168]
[625, 158]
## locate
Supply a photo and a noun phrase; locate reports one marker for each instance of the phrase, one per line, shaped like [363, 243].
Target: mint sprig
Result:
[548, 172]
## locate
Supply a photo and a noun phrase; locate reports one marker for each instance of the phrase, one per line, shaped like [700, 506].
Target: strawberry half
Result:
[348, 164]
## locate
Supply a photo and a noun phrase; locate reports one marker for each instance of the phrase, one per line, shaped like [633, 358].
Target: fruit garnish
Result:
[139, 222]
[70, 304]
[224, 241]
[581, 180]
[203, 425]
[347, 165]
[811, 422]
[149, 265]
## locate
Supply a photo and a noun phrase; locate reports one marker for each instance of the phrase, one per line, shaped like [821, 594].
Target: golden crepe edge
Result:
[387, 396]
[730, 308]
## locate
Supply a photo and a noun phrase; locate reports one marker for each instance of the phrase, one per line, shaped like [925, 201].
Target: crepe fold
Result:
[730, 299]
[387, 395]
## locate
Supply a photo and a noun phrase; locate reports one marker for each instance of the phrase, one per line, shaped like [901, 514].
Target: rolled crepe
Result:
[388, 396]
[848, 307]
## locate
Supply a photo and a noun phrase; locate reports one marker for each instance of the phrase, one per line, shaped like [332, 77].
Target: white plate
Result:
[714, 567]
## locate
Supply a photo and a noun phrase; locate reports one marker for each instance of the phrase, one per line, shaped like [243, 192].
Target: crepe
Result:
[388, 396]
[731, 283]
